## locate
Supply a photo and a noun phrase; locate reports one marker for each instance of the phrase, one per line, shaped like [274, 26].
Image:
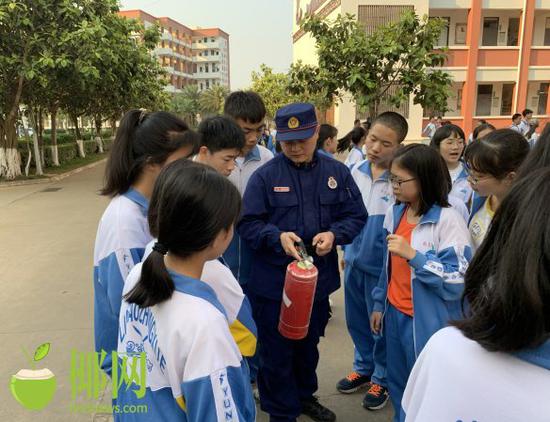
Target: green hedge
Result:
[67, 136]
[65, 152]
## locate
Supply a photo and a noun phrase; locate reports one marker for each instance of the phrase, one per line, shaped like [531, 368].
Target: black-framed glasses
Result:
[396, 182]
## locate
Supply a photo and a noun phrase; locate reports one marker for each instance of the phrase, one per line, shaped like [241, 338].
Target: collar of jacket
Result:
[365, 168]
[253, 155]
[134, 196]
[432, 216]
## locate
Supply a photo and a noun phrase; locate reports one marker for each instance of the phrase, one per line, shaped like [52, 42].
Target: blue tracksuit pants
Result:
[287, 373]
[370, 349]
[398, 331]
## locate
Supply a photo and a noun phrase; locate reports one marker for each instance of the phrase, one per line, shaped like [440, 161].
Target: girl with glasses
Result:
[450, 142]
[427, 253]
[492, 162]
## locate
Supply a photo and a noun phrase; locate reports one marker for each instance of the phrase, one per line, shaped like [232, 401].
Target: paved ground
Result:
[47, 233]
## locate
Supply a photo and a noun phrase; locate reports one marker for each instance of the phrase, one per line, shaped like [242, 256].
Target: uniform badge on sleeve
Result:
[332, 183]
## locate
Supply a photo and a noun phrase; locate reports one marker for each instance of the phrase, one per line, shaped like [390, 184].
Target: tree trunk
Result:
[79, 141]
[40, 127]
[113, 128]
[98, 139]
[55, 152]
[37, 158]
[10, 160]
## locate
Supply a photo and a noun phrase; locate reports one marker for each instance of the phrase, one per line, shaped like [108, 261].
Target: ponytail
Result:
[143, 138]
[190, 206]
[355, 136]
[155, 284]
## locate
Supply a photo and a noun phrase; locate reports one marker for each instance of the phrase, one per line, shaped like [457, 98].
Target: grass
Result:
[54, 171]
[74, 164]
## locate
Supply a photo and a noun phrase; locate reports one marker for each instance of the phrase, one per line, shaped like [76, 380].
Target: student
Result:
[492, 165]
[532, 135]
[539, 156]
[248, 110]
[357, 123]
[145, 142]
[516, 121]
[221, 143]
[431, 127]
[327, 143]
[427, 253]
[449, 141]
[194, 370]
[472, 371]
[354, 139]
[471, 136]
[525, 123]
[482, 130]
[364, 259]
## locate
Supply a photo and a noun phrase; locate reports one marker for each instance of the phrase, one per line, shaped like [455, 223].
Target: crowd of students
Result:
[446, 257]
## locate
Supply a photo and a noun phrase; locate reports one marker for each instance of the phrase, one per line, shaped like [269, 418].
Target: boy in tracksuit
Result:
[364, 259]
[248, 110]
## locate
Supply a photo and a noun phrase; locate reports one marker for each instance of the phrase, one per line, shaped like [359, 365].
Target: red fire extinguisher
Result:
[298, 295]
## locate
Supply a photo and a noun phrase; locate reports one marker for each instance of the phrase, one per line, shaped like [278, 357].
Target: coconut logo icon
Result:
[34, 388]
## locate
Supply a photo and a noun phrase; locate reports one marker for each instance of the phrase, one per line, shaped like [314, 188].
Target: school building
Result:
[190, 56]
[498, 55]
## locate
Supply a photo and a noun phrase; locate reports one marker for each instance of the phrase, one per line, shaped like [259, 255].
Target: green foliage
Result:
[390, 64]
[76, 56]
[277, 89]
[186, 104]
[41, 352]
[66, 152]
[211, 101]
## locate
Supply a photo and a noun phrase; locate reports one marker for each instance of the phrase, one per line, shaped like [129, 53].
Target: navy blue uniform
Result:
[307, 200]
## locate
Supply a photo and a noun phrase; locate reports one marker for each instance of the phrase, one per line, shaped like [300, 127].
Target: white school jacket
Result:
[194, 370]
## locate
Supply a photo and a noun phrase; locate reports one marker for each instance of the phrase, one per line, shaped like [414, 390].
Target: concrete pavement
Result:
[47, 234]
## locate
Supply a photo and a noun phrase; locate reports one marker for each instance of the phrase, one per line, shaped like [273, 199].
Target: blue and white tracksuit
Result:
[236, 305]
[443, 250]
[238, 255]
[364, 260]
[354, 156]
[193, 370]
[461, 188]
[121, 238]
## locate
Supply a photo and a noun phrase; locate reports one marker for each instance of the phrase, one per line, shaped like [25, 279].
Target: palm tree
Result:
[186, 104]
[212, 100]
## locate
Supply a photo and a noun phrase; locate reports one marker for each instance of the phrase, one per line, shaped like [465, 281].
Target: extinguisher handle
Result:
[302, 251]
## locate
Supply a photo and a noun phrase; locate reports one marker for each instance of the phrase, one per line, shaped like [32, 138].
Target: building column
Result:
[472, 40]
[526, 41]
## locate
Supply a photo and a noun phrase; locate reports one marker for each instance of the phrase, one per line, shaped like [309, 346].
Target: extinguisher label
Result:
[286, 300]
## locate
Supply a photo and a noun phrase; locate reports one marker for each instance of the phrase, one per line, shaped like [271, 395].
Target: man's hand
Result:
[399, 246]
[376, 322]
[287, 242]
[323, 243]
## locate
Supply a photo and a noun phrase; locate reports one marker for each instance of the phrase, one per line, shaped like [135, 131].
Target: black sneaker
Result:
[353, 382]
[376, 397]
[317, 411]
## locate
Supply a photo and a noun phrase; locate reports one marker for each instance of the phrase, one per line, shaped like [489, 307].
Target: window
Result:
[200, 69]
[207, 84]
[490, 31]
[460, 33]
[206, 53]
[205, 39]
[217, 53]
[543, 98]
[206, 68]
[547, 32]
[507, 97]
[459, 101]
[444, 36]
[202, 86]
[213, 39]
[484, 100]
[513, 31]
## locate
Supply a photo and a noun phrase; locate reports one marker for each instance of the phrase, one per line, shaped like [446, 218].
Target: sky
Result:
[260, 31]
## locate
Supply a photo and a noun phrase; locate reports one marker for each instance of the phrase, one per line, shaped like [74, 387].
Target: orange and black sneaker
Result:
[353, 382]
[376, 397]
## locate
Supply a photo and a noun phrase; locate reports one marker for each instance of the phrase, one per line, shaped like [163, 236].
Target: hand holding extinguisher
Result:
[298, 295]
